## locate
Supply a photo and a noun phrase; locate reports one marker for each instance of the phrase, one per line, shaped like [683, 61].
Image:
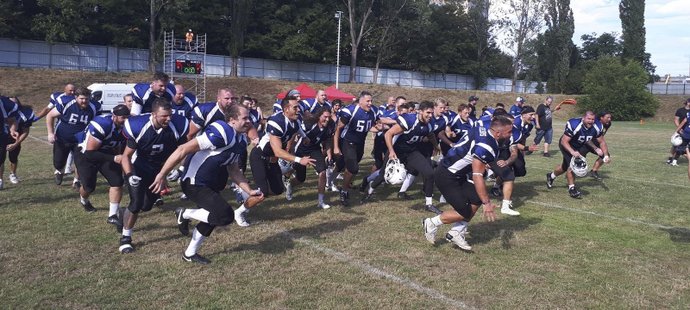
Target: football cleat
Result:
[432, 208]
[674, 163]
[14, 179]
[324, 206]
[241, 219]
[547, 154]
[173, 175]
[574, 192]
[182, 223]
[159, 202]
[196, 258]
[344, 198]
[595, 175]
[88, 207]
[76, 184]
[404, 196]
[114, 220]
[363, 187]
[429, 230]
[58, 177]
[506, 208]
[2, 184]
[334, 188]
[126, 245]
[288, 188]
[549, 180]
[496, 192]
[458, 238]
[367, 198]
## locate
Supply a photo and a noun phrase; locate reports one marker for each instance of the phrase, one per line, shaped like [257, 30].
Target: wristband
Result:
[298, 159]
[477, 173]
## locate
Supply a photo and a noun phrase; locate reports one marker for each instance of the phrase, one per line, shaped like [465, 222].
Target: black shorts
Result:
[141, 198]
[220, 211]
[319, 165]
[379, 152]
[61, 151]
[88, 170]
[457, 191]
[509, 173]
[13, 155]
[352, 155]
[267, 175]
[567, 157]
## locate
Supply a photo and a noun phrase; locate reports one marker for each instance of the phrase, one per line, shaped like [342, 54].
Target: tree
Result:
[358, 13]
[383, 37]
[632, 23]
[620, 89]
[526, 21]
[481, 27]
[607, 44]
[238, 26]
[560, 28]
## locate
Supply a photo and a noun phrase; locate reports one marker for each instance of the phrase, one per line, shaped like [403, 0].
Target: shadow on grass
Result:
[503, 229]
[285, 240]
[677, 234]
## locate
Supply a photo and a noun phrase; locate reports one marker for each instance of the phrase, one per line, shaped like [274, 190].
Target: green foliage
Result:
[607, 44]
[620, 89]
[632, 22]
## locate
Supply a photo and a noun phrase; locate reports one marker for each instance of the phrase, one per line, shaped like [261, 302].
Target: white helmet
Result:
[579, 166]
[395, 172]
[676, 139]
[285, 166]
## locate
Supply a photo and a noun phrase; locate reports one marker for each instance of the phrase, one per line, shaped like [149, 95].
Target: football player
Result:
[8, 112]
[212, 157]
[577, 142]
[350, 136]
[464, 193]
[605, 119]
[145, 94]
[153, 137]
[24, 118]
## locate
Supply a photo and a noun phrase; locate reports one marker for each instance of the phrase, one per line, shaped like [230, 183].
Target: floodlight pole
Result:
[338, 15]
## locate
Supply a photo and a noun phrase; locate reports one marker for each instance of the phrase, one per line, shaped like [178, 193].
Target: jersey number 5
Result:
[363, 126]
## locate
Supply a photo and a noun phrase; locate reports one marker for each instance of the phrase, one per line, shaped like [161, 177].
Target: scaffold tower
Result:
[183, 60]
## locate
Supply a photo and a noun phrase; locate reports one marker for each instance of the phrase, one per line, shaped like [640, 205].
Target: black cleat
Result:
[159, 202]
[58, 177]
[114, 220]
[344, 198]
[367, 198]
[496, 192]
[88, 207]
[549, 180]
[363, 187]
[547, 154]
[595, 175]
[196, 258]
[574, 192]
[182, 223]
[404, 196]
[126, 245]
[528, 152]
[432, 208]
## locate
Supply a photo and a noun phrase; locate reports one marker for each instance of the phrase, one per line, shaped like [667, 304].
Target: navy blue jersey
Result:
[24, 118]
[8, 108]
[440, 123]
[302, 104]
[144, 96]
[450, 115]
[186, 108]
[255, 117]
[579, 134]
[525, 129]
[311, 105]
[387, 113]
[153, 146]
[685, 131]
[207, 113]
[515, 110]
[473, 112]
[103, 129]
[280, 126]
[219, 146]
[58, 98]
[480, 145]
[316, 136]
[461, 128]
[74, 119]
[357, 122]
[413, 133]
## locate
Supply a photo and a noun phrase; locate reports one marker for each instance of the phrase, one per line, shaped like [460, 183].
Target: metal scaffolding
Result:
[184, 60]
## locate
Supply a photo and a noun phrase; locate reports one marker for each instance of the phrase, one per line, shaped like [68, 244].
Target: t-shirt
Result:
[681, 113]
[545, 121]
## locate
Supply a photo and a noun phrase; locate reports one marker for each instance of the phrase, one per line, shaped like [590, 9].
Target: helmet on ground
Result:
[395, 172]
[285, 166]
[579, 166]
[676, 139]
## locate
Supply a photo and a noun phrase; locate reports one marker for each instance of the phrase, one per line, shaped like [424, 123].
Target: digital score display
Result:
[188, 66]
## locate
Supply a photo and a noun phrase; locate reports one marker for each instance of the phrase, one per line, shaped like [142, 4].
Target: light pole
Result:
[338, 15]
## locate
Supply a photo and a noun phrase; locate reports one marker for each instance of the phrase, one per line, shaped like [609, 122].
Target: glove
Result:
[133, 180]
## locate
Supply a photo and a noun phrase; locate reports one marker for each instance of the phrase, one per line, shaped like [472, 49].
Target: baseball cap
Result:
[520, 99]
[473, 98]
[121, 110]
[293, 93]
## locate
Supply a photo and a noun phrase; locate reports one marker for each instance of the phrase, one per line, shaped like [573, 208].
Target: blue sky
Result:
[667, 23]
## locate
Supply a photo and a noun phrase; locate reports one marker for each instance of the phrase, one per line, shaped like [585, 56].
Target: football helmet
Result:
[579, 166]
[676, 139]
[395, 172]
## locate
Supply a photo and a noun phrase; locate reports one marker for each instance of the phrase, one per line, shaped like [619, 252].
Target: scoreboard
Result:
[188, 66]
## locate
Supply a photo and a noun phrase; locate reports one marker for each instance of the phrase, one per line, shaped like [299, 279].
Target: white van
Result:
[110, 94]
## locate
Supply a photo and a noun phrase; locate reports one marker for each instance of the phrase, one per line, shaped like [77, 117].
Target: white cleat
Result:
[506, 209]
[458, 238]
[429, 230]
[241, 220]
[288, 188]
[324, 206]
[14, 179]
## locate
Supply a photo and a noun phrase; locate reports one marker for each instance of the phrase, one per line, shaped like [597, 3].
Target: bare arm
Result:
[388, 137]
[278, 150]
[336, 138]
[50, 124]
[478, 169]
[127, 166]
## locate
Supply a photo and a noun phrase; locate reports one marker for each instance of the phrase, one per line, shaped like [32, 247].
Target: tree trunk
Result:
[152, 38]
[235, 66]
[353, 65]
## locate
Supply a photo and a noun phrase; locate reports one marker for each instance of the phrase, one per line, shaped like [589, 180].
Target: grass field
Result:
[625, 245]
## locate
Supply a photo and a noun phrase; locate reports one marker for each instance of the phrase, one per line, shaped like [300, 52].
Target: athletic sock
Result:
[370, 190]
[429, 200]
[241, 209]
[195, 243]
[506, 203]
[373, 176]
[571, 186]
[114, 206]
[436, 220]
[409, 180]
[320, 198]
[200, 215]
[126, 232]
[553, 175]
[83, 200]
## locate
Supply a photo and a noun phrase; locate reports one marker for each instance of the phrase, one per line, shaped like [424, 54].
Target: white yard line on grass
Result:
[39, 139]
[379, 272]
[625, 179]
[622, 219]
